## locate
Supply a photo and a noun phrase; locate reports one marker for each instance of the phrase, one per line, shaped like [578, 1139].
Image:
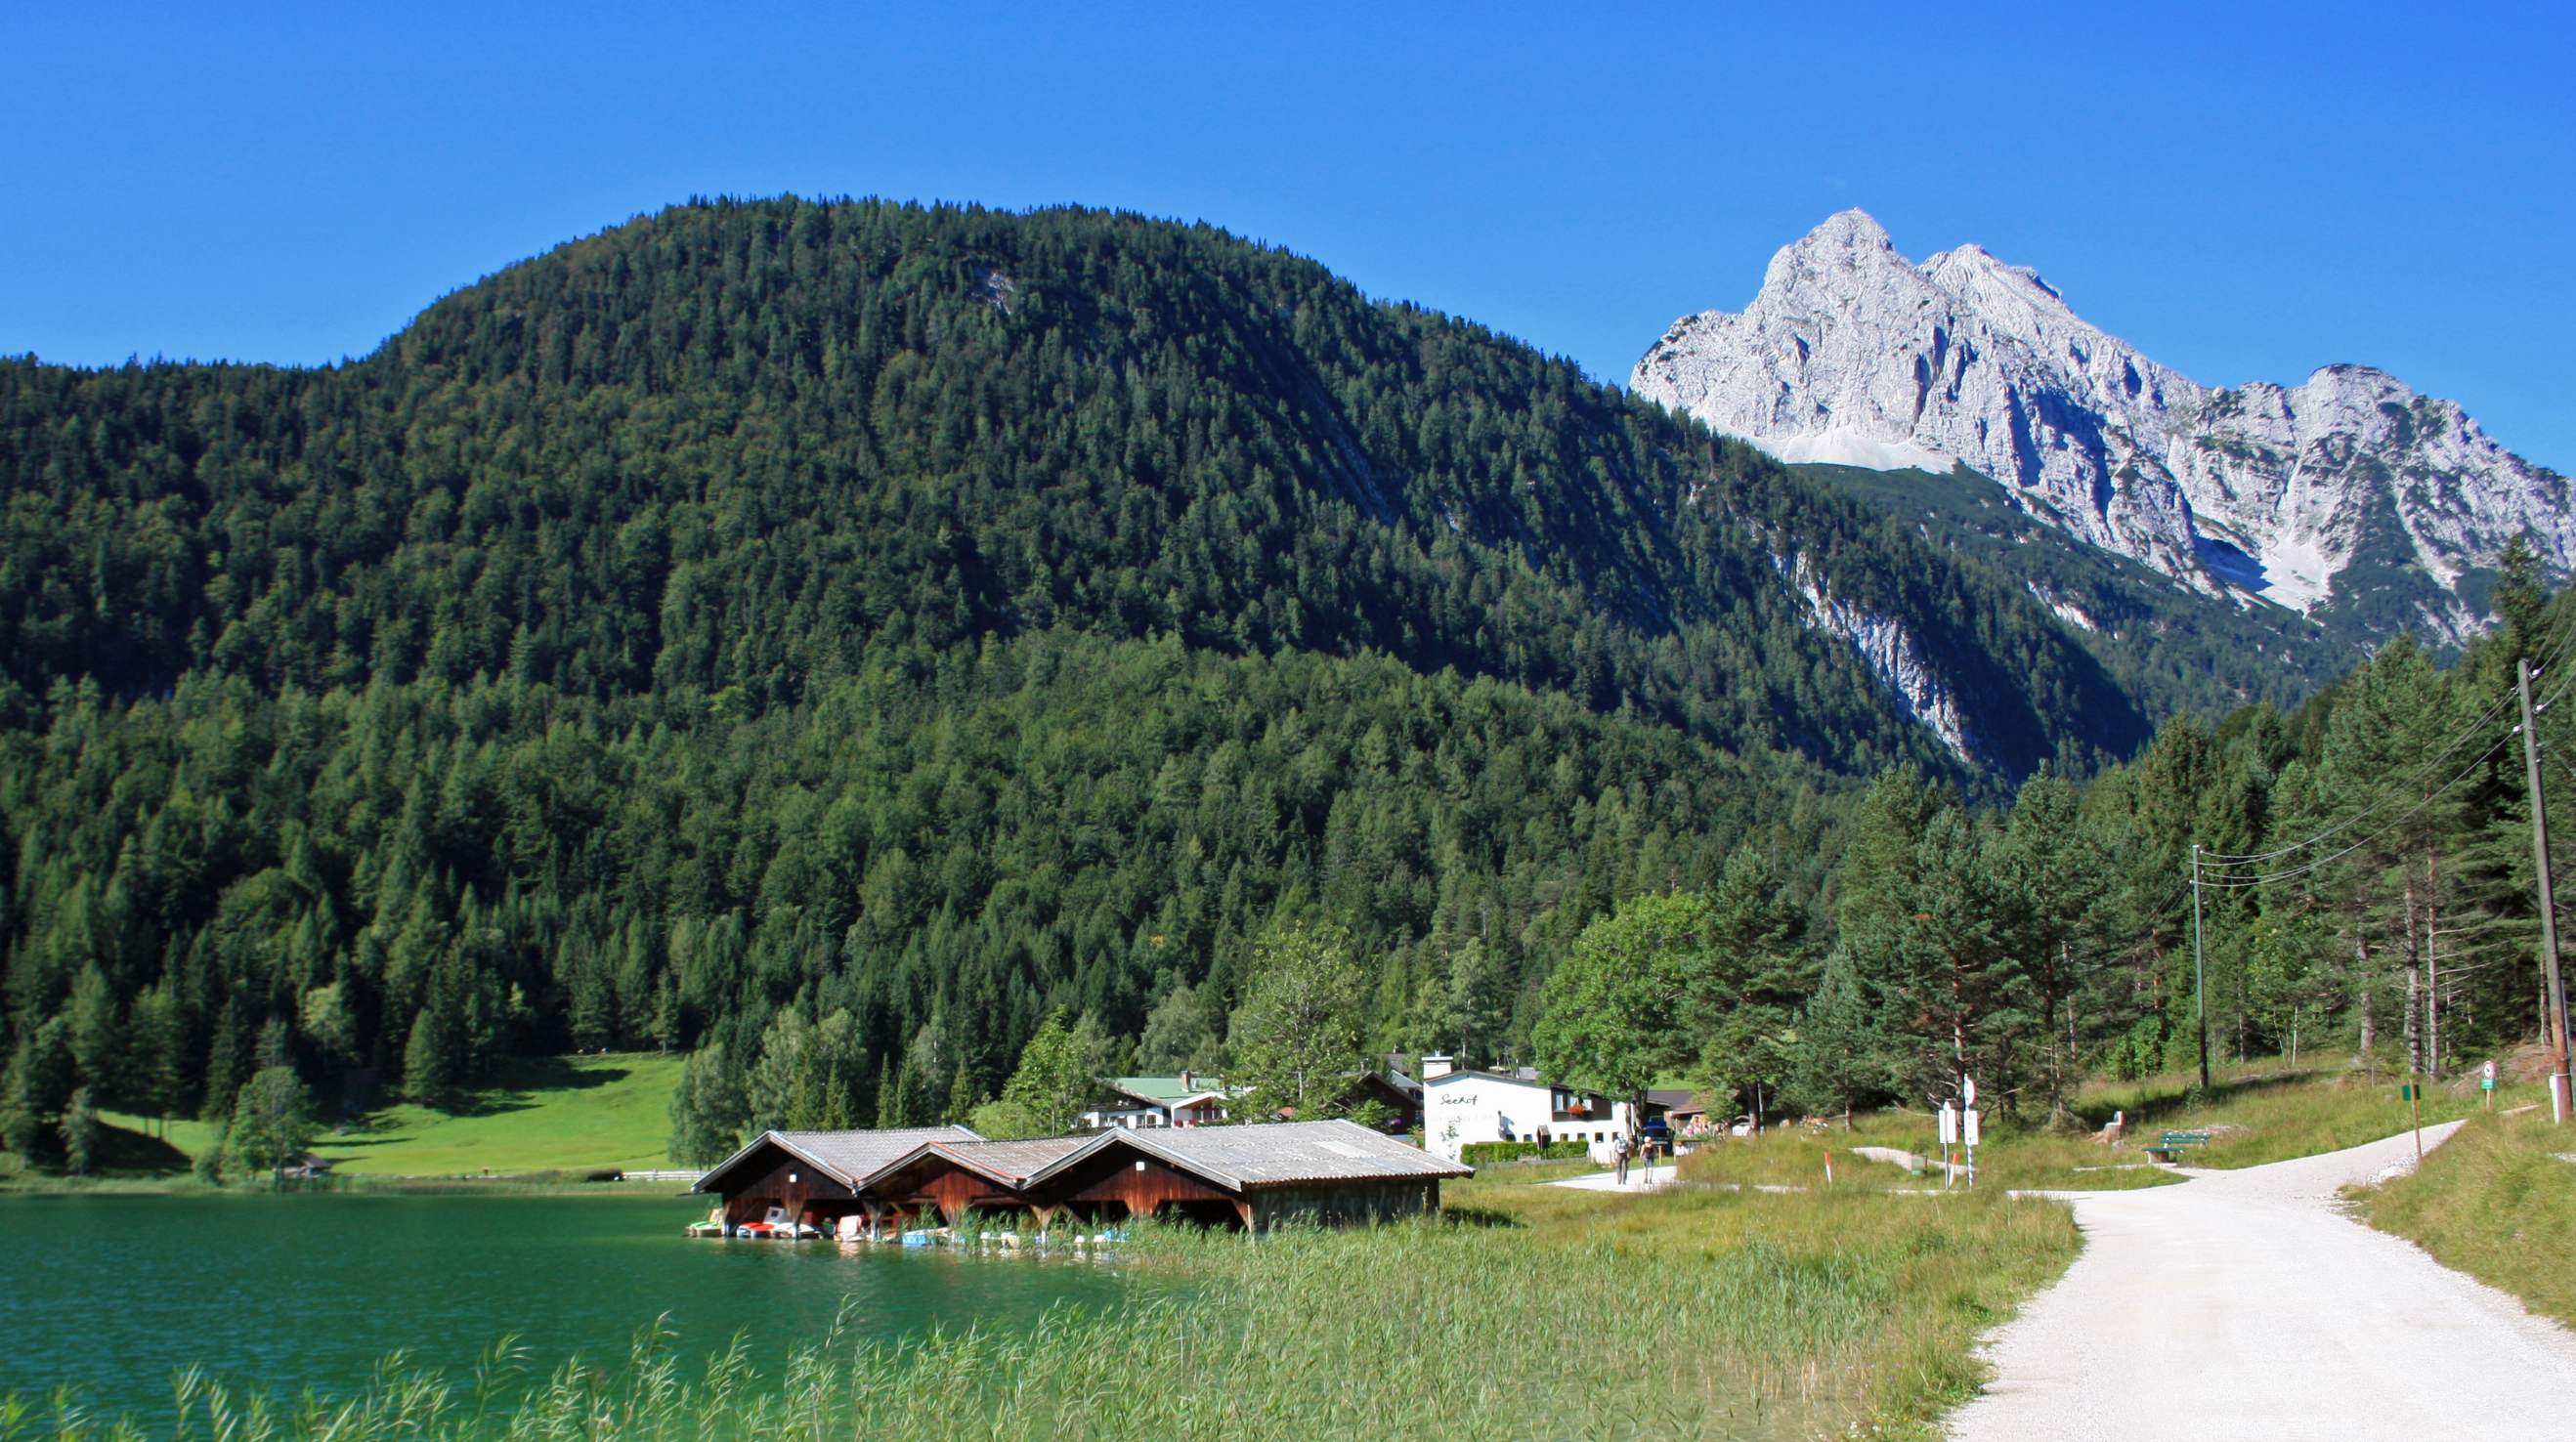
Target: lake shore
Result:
[1691, 1312]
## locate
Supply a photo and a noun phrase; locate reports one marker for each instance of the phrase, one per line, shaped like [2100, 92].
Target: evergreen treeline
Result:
[938, 851]
[733, 445]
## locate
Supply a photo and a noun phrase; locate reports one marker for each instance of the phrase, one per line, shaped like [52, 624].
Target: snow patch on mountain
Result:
[1853, 355]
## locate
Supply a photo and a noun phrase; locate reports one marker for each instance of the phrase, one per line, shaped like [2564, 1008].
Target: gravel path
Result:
[2245, 1305]
[1665, 1175]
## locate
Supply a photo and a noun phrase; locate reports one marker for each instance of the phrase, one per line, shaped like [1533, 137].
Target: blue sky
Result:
[2245, 195]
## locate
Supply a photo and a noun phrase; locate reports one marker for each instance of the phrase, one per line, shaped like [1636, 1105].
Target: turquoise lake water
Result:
[112, 1294]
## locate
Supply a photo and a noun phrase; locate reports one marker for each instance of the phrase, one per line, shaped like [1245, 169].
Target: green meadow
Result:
[565, 1114]
[573, 1113]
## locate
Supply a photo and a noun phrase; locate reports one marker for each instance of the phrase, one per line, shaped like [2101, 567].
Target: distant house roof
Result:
[1520, 1077]
[1167, 1091]
[848, 1157]
[1673, 1100]
[1396, 1077]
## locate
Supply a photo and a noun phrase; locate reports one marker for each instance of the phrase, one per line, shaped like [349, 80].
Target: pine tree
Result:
[1835, 1066]
[154, 1043]
[962, 1100]
[20, 1122]
[97, 1034]
[889, 1098]
[430, 1063]
[272, 1121]
[79, 1127]
[1295, 1040]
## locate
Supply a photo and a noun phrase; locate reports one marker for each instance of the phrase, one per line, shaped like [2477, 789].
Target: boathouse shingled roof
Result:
[1014, 1163]
[1278, 1153]
[1237, 1158]
[851, 1157]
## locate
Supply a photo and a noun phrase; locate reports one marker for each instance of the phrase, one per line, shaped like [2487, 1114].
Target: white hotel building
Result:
[1461, 1106]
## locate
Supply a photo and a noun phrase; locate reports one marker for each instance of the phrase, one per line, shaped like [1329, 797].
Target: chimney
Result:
[1185, 1081]
[1433, 1066]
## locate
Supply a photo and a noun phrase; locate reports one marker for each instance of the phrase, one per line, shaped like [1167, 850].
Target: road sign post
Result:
[1968, 1123]
[1949, 1138]
[2486, 1084]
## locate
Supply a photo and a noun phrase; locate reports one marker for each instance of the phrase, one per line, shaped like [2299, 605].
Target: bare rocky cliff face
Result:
[1853, 355]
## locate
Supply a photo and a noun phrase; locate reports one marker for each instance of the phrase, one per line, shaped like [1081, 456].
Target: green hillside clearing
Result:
[573, 1113]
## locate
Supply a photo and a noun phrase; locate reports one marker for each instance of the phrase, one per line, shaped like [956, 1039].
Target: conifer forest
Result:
[835, 639]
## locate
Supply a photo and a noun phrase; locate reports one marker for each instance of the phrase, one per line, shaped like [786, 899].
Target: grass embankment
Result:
[541, 1117]
[2252, 1117]
[2273, 1114]
[1528, 1312]
[2497, 1201]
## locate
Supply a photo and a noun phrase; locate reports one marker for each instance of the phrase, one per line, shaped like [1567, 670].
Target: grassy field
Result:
[2498, 1202]
[542, 1114]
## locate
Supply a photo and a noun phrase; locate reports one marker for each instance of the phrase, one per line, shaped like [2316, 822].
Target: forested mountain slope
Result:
[730, 444]
[570, 669]
[2159, 638]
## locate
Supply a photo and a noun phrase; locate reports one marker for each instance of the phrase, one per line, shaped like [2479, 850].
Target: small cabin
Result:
[869, 1183]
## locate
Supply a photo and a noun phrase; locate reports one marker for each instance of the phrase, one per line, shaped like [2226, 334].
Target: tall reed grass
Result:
[1700, 1315]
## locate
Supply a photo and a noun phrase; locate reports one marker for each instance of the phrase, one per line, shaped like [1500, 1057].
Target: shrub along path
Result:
[2246, 1304]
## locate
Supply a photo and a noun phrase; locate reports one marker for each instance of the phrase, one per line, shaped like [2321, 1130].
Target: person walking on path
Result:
[1619, 1155]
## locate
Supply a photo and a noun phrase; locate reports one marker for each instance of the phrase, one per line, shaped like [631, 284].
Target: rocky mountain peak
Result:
[1853, 355]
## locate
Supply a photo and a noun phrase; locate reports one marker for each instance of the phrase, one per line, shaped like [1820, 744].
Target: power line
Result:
[2557, 644]
[2244, 882]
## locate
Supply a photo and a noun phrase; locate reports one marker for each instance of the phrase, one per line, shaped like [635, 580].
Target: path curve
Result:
[2245, 1305]
[1639, 1180]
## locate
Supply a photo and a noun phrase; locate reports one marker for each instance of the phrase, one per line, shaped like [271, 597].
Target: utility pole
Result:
[2199, 974]
[2559, 1092]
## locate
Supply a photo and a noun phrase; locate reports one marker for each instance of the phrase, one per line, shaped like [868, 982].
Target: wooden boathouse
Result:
[1248, 1176]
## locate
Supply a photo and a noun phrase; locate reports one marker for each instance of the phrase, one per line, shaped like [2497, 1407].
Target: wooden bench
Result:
[2172, 1142]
